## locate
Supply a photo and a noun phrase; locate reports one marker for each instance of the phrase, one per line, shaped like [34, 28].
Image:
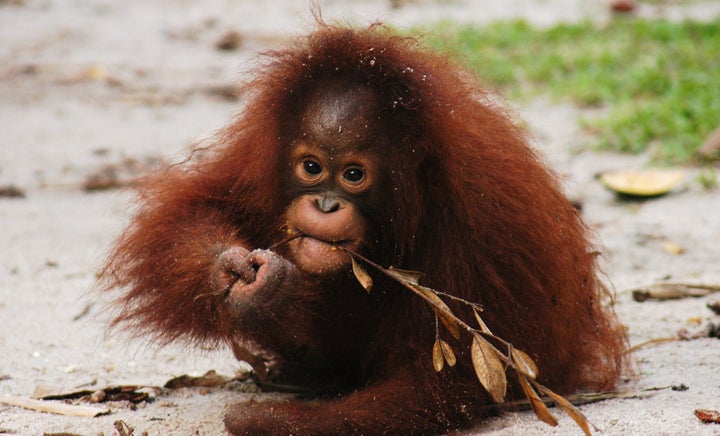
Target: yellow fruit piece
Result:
[642, 183]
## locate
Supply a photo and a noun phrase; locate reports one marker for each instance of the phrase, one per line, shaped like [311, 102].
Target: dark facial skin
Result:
[335, 172]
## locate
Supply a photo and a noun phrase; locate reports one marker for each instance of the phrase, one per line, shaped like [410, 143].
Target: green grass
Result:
[658, 80]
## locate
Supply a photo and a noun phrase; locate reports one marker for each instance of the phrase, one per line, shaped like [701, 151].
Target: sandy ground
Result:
[89, 83]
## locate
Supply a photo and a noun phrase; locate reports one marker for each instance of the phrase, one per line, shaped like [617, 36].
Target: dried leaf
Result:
[483, 327]
[448, 353]
[714, 306]
[571, 410]
[362, 276]
[706, 415]
[123, 429]
[441, 309]
[437, 356]
[524, 363]
[538, 406]
[11, 191]
[673, 248]
[131, 393]
[231, 40]
[406, 275]
[488, 368]
[208, 380]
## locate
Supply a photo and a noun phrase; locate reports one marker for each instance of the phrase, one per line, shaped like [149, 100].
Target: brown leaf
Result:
[362, 276]
[488, 368]
[11, 191]
[672, 247]
[131, 393]
[538, 406]
[483, 327]
[706, 415]
[441, 309]
[229, 41]
[714, 306]
[406, 275]
[123, 429]
[571, 410]
[524, 363]
[437, 356]
[448, 353]
[209, 379]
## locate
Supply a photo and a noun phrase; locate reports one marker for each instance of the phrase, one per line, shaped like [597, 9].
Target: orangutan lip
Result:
[324, 241]
[300, 234]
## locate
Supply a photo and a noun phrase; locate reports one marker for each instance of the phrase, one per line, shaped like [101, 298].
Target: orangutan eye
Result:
[311, 167]
[354, 175]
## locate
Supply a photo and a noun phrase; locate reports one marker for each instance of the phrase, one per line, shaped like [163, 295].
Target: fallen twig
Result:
[672, 291]
[54, 407]
[653, 341]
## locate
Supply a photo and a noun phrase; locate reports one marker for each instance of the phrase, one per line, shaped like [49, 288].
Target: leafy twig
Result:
[489, 362]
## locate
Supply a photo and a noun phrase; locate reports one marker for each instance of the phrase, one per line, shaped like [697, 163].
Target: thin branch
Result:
[288, 238]
[636, 347]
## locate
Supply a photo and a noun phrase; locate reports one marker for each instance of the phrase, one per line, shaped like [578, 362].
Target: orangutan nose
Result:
[327, 204]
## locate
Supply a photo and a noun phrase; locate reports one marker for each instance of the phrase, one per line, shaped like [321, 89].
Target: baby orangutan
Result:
[360, 141]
